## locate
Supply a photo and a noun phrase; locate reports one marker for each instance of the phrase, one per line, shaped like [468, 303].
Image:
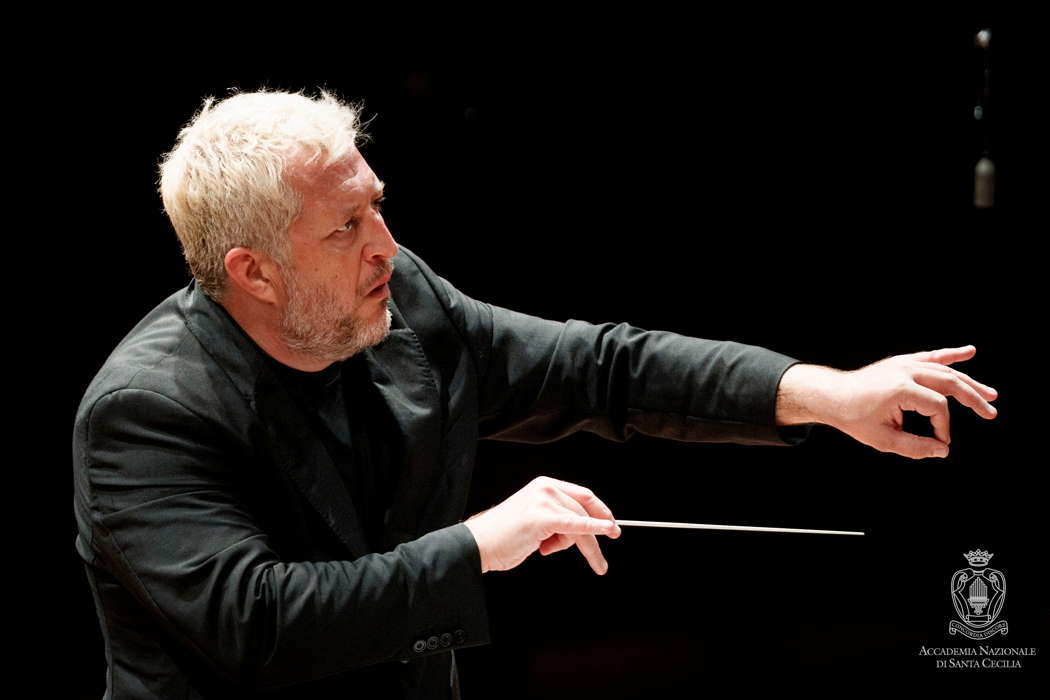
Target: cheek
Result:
[337, 271]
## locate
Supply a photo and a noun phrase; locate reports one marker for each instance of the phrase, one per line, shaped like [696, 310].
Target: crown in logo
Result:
[978, 558]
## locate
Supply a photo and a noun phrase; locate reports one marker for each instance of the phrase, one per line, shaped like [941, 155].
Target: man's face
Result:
[335, 296]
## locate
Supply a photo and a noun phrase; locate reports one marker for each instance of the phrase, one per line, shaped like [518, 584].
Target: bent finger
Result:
[555, 543]
[586, 498]
[910, 445]
[574, 505]
[931, 404]
[592, 552]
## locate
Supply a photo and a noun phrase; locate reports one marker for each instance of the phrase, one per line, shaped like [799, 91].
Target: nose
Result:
[382, 243]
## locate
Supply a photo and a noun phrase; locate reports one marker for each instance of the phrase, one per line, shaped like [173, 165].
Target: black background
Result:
[801, 183]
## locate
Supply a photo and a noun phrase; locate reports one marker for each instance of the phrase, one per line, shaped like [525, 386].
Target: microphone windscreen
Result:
[984, 184]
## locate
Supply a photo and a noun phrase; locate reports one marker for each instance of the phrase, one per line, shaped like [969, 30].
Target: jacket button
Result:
[446, 639]
[419, 646]
[432, 643]
[461, 636]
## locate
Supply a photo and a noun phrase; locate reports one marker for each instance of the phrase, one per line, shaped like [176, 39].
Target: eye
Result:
[377, 205]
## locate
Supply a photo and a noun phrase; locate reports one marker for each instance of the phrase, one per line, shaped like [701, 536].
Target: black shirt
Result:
[355, 423]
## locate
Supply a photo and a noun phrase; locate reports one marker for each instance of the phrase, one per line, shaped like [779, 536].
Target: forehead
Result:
[343, 179]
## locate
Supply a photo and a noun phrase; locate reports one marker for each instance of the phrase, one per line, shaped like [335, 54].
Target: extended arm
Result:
[549, 379]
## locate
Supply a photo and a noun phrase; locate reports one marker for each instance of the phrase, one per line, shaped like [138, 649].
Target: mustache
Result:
[384, 269]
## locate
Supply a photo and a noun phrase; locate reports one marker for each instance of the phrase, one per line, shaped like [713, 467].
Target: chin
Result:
[372, 335]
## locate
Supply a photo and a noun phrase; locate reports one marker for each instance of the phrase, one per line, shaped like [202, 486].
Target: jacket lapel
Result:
[402, 375]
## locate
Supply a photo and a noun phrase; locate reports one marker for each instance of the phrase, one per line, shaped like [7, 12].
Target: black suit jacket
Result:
[222, 547]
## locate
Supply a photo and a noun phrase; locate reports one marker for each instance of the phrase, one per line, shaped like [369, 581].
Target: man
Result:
[271, 469]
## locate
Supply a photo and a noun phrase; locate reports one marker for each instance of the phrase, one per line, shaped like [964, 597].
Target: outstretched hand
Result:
[868, 404]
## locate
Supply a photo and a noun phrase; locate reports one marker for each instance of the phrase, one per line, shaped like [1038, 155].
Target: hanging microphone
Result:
[984, 173]
[984, 183]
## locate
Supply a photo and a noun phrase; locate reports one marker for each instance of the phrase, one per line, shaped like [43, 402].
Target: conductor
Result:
[271, 469]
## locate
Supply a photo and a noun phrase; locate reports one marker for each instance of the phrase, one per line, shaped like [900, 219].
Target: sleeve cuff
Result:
[459, 612]
[789, 434]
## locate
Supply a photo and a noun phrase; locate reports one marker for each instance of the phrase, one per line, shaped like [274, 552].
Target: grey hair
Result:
[224, 184]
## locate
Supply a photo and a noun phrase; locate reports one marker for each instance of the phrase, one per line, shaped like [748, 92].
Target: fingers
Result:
[932, 405]
[909, 445]
[580, 499]
[596, 519]
[946, 356]
[986, 392]
[950, 384]
[555, 543]
[592, 552]
[580, 532]
[587, 544]
[592, 505]
[571, 524]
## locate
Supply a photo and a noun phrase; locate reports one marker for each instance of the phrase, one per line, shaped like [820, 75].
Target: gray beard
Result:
[312, 326]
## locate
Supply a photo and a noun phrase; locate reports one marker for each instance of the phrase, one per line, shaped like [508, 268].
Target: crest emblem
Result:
[978, 594]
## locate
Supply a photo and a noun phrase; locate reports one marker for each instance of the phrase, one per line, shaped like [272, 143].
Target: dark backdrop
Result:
[800, 186]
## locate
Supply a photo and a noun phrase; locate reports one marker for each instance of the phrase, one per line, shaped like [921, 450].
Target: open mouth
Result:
[381, 288]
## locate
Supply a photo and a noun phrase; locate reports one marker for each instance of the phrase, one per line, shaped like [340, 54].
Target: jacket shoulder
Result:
[165, 354]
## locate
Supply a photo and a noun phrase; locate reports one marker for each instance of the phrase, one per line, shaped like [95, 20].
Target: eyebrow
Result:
[377, 191]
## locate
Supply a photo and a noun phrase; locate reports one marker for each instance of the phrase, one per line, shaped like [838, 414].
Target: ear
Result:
[254, 273]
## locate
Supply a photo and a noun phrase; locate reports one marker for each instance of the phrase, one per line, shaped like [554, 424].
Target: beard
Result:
[314, 323]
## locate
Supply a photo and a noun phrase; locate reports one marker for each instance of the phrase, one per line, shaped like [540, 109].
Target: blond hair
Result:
[224, 183]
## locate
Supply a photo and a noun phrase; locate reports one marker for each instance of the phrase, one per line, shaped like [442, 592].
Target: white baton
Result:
[746, 528]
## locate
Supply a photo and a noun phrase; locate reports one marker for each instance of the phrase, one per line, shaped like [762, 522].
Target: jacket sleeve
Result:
[541, 380]
[161, 505]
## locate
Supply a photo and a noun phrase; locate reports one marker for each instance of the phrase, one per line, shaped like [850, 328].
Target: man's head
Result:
[278, 214]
